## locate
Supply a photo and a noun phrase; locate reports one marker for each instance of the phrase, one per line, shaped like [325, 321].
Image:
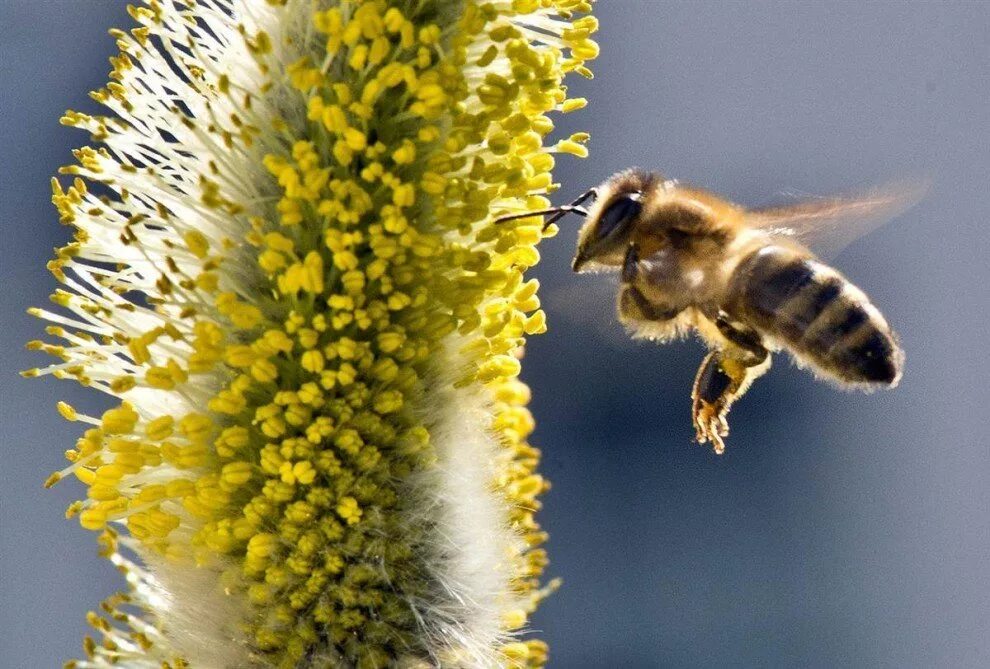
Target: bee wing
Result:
[588, 304]
[827, 225]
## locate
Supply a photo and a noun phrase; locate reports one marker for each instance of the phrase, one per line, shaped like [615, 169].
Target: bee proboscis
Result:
[745, 280]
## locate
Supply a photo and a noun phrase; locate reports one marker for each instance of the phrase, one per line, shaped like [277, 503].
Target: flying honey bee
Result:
[745, 280]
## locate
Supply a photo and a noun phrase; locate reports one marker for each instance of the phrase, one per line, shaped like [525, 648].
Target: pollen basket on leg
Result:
[285, 268]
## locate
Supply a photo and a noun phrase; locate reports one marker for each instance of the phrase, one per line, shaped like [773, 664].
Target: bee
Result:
[745, 280]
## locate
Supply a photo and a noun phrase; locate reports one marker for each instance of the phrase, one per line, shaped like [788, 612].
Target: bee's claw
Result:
[721, 380]
[710, 424]
[723, 425]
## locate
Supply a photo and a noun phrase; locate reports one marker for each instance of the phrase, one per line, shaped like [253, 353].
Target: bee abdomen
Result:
[819, 315]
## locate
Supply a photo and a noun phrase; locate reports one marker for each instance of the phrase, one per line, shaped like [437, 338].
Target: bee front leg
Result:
[724, 376]
[634, 306]
[630, 264]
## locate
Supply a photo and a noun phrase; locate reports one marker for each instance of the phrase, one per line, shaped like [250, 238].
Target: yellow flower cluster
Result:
[274, 380]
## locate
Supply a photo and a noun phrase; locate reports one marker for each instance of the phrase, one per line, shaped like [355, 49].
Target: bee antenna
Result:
[557, 212]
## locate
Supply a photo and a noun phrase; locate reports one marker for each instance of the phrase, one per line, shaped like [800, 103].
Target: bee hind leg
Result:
[724, 376]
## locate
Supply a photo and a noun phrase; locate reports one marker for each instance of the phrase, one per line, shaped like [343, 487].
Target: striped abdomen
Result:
[819, 316]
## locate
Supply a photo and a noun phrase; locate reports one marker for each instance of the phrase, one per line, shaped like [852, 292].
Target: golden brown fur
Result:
[691, 260]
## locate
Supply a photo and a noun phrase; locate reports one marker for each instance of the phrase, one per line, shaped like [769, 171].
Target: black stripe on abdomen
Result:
[833, 328]
[788, 291]
[871, 357]
[774, 279]
[806, 308]
[819, 315]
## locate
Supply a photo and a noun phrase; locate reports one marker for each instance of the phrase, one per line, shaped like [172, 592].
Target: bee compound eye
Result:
[619, 213]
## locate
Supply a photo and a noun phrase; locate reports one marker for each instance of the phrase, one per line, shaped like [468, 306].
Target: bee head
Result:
[609, 224]
[605, 235]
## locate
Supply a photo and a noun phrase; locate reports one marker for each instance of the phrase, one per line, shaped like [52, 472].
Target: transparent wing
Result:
[588, 304]
[827, 225]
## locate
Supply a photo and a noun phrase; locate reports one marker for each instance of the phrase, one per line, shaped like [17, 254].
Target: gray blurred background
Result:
[838, 530]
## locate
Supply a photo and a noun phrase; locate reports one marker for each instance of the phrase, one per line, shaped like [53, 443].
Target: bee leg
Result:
[747, 340]
[707, 404]
[633, 304]
[724, 377]
[630, 265]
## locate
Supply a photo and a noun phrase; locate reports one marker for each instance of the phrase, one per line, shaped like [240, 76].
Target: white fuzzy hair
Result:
[206, 633]
[455, 517]
[465, 522]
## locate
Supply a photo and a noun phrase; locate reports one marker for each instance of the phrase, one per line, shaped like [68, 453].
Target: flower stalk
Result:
[285, 270]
